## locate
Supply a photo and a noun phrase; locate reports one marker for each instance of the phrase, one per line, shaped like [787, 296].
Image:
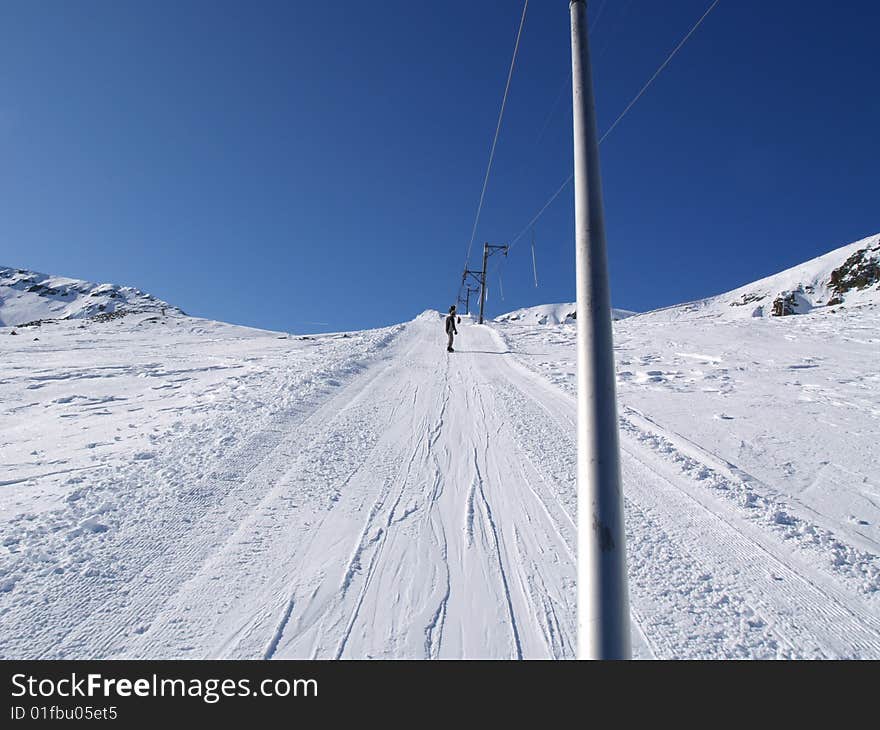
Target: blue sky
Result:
[312, 166]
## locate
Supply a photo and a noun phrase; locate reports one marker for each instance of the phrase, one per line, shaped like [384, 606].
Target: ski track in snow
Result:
[394, 502]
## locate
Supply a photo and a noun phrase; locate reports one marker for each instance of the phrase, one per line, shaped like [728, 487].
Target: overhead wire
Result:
[658, 71]
[497, 133]
[534, 262]
[618, 120]
[552, 112]
[567, 83]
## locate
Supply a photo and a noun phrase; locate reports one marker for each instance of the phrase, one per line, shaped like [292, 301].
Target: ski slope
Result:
[749, 471]
[394, 518]
[421, 505]
[178, 488]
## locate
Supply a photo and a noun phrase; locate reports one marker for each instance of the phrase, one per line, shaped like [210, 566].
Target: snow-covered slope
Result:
[28, 296]
[552, 314]
[177, 488]
[845, 277]
[848, 276]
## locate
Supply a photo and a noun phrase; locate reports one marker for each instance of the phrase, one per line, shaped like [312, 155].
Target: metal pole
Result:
[483, 283]
[603, 602]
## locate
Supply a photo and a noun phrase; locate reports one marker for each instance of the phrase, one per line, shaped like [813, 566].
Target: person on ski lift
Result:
[451, 330]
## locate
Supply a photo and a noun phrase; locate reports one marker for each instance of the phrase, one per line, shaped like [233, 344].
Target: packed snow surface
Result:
[178, 488]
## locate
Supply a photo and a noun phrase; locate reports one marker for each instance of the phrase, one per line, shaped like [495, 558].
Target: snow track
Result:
[721, 566]
[433, 544]
[424, 507]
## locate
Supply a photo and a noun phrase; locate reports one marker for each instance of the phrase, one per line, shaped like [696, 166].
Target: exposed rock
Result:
[859, 271]
[108, 316]
[784, 305]
[747, 299]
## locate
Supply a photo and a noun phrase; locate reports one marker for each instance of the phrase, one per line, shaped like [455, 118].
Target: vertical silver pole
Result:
[483, 281]
[603, 602]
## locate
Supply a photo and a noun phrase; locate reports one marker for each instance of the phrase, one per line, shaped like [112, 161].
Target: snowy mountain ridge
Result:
[30, 296]
[844, 277]
[564, 313]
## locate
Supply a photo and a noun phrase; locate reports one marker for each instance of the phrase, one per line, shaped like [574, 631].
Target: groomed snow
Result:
[178, 488]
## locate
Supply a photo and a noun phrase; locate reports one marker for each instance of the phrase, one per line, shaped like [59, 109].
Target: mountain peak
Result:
[29, 296]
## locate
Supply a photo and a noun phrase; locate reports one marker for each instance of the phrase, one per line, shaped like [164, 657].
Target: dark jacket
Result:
[450, 324]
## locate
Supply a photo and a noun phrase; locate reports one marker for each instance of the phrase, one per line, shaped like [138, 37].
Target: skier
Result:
[450, 328]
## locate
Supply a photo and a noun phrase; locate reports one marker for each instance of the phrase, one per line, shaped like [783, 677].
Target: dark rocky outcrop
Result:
[784, 305]
[109, 316]
[747, 299]
[859, 271]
